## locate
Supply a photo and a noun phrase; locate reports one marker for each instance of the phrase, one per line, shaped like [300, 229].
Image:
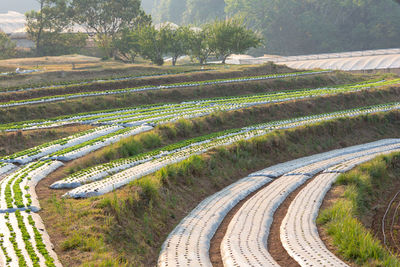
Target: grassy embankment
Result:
[76, 68]
[361, 190]
[164, 135]
[48, 110]
[129, 225]
[188, 76]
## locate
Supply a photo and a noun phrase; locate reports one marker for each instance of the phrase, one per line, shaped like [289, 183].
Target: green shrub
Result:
[184, 127]
[150, 140]
[131, 148]
[150, 187]
[76, 240]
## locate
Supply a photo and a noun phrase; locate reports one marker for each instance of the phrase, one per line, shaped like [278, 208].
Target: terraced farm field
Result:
[145, 171]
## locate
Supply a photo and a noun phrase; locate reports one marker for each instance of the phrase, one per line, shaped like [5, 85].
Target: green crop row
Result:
[82, 117]
[90, 142]
[3, 248]
[26, 237]
[37, 149]
[13, 240]
[135, 89]
[15, 196]
[102, 80]
[41, 247]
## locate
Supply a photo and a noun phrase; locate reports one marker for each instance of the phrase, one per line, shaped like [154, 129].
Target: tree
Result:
[128, 45]
[127, 41]
[7, 47]
[52, 18]
[153, 43]
[54, 44]
[199, 45]
[230, 36]
[107, 18]
[178, 42]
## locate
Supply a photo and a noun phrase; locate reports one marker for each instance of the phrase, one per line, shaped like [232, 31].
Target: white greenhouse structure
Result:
[382, 59]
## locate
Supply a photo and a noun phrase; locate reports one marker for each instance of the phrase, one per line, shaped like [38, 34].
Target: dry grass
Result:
[49, 61]
[78, 67]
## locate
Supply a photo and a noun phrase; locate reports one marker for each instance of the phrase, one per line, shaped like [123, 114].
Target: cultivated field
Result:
[106, 164]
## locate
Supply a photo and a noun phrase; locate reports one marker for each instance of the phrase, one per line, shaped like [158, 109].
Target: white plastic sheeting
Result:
[348, 61]
[349, 64]
[245, 242]
[188, 244]
[298, 231]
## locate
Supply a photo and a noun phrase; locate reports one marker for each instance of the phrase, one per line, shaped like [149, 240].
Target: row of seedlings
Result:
[66, 84]
[22, 241]
[122, 178]
[40, 151]
[17, 190]
[154, 112]
[87, 147]
[48, 99]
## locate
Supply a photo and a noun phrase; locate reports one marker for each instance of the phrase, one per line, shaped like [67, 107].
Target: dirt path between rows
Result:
[215, 244]
[275, 246]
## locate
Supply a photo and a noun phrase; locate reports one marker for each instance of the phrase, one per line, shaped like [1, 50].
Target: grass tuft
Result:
[342, 220]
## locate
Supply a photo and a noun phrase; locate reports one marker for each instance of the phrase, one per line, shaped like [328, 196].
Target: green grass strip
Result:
[352, 240]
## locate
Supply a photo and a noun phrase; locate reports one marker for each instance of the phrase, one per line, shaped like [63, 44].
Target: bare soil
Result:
[72, 68]
[215, 244]
[275, 247]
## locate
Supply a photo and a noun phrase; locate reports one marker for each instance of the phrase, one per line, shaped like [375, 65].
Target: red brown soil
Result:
[275, 247]
[215, 244]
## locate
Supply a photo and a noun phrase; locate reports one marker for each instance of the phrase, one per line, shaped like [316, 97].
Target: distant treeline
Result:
[122, 30]
[292, 27]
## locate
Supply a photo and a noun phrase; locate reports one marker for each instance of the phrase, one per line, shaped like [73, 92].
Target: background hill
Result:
[289, 27]
[293, 27]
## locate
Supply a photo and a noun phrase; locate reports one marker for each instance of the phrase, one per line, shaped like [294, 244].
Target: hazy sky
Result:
[17, 5]
[26, 5]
